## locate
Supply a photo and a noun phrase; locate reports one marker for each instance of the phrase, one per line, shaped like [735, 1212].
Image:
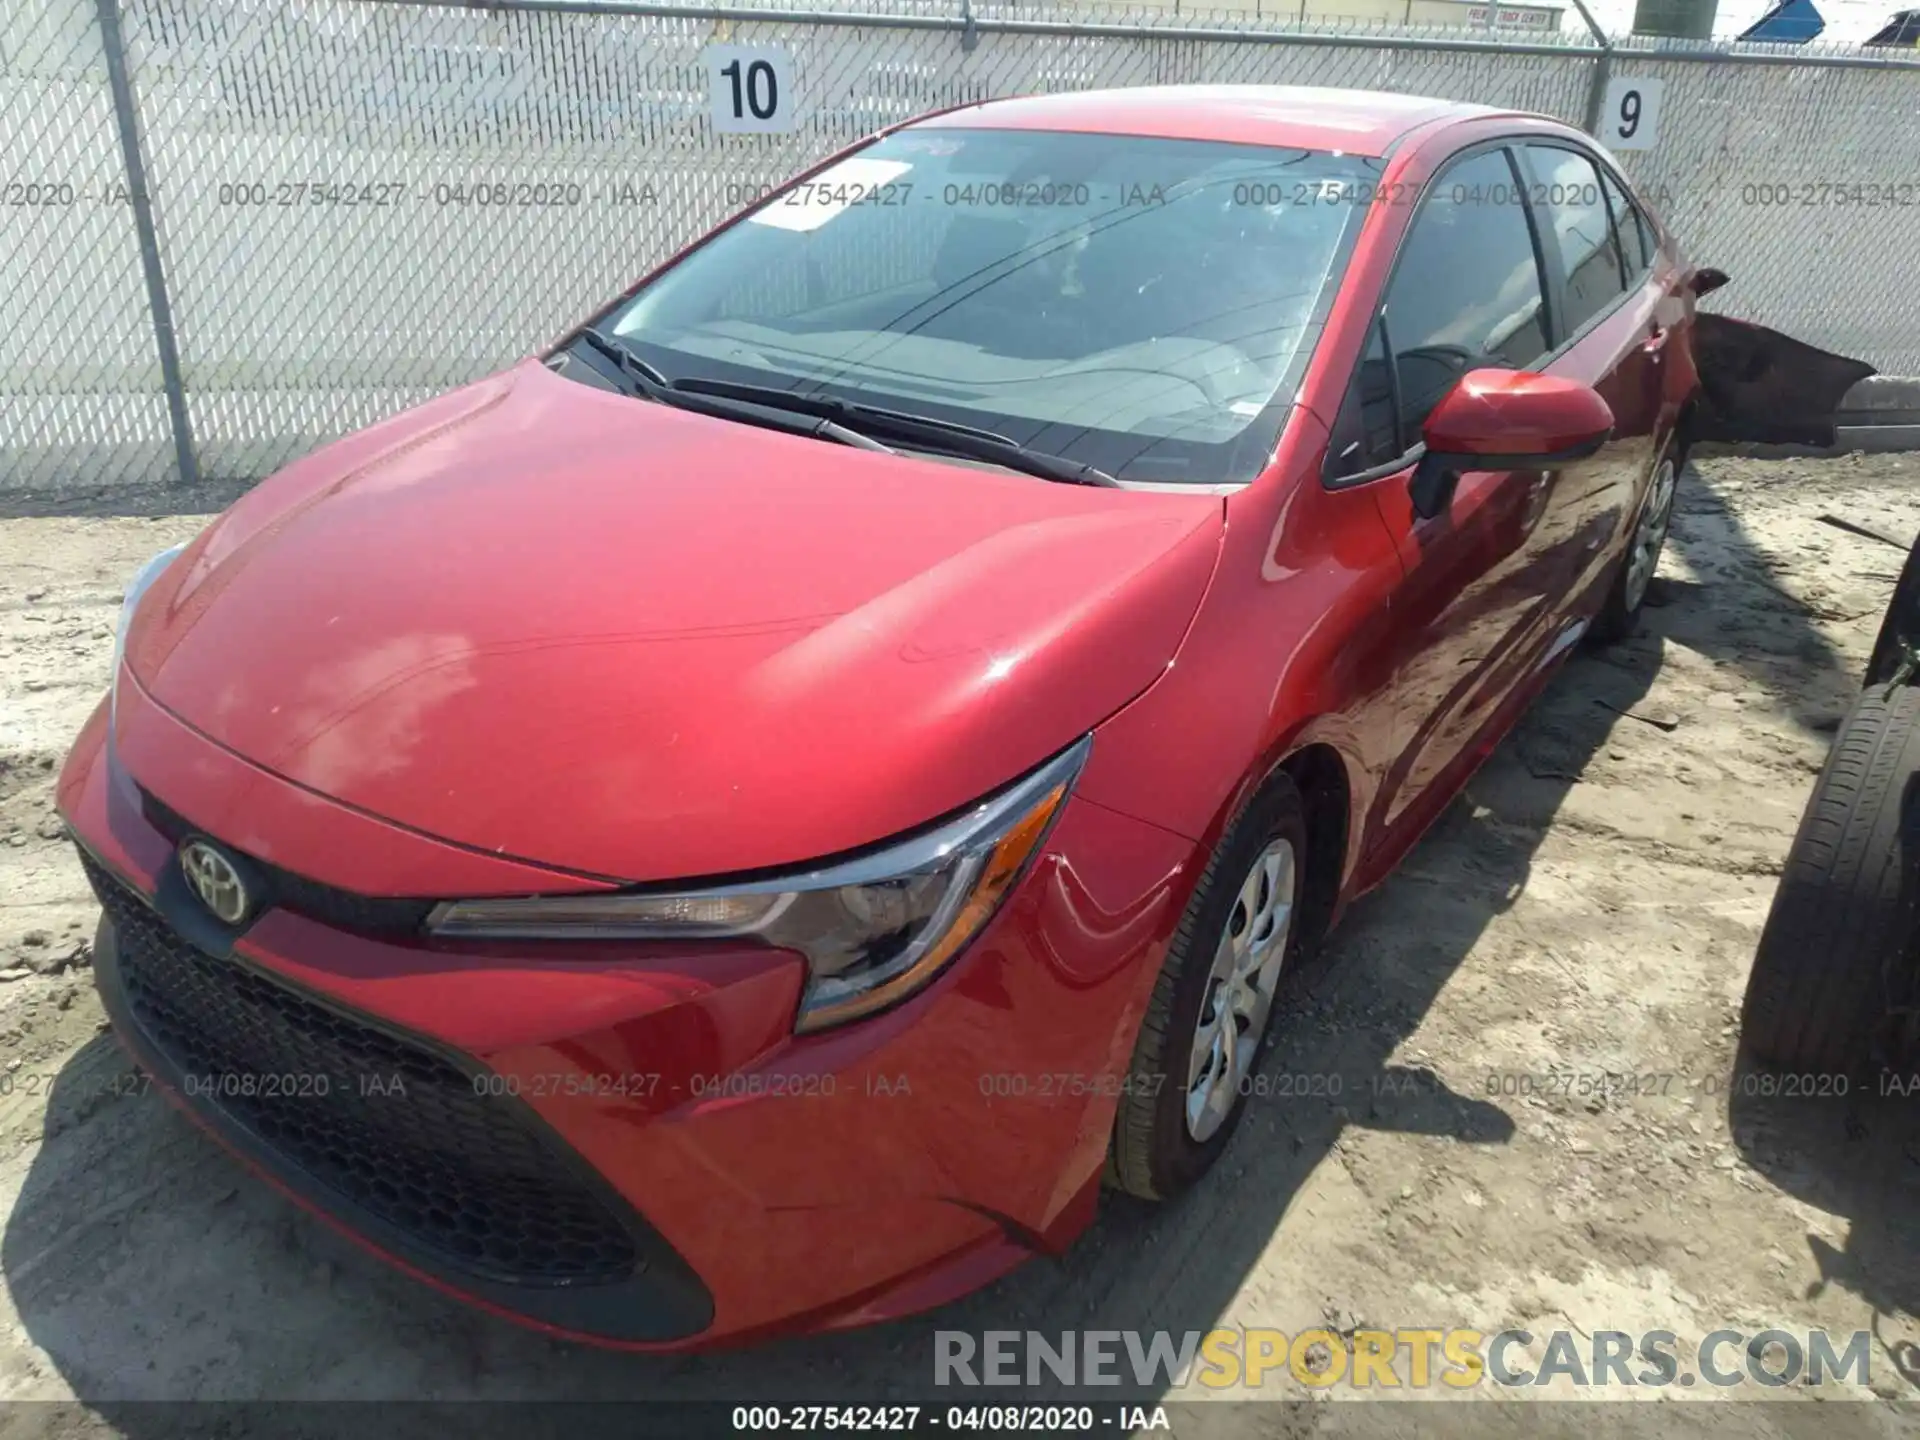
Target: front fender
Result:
[1294, 643]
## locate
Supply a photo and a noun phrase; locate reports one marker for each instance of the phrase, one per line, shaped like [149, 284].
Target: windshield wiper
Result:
[650, 382]
[631, 365]
[928, 430]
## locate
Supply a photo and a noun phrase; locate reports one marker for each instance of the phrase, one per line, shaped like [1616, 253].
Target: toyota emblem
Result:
[215, 880]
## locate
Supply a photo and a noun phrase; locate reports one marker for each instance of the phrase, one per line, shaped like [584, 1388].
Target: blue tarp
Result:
[1790, 22]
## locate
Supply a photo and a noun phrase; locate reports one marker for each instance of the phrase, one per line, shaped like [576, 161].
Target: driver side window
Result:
[1466, 292]
[1465, 295]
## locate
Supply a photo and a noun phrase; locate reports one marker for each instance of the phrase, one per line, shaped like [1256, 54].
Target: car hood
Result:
[558, 624]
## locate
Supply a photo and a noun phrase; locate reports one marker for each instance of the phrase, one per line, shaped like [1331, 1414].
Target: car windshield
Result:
[1140, 305]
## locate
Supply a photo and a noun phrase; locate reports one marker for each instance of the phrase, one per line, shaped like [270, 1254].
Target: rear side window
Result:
[1566, 190]
[1466, 289]
[1634, 231]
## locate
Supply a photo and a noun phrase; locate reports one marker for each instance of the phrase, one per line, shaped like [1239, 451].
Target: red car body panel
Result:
[299, 829]
[805, 589]
[534, 638]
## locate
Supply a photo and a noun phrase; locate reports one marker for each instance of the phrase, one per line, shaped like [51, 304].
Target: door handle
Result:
[1656, 342]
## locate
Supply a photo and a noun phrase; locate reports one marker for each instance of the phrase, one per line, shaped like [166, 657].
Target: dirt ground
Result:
[1591, 906]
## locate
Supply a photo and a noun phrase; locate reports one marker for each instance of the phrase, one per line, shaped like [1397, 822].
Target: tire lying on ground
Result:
[1834, 965]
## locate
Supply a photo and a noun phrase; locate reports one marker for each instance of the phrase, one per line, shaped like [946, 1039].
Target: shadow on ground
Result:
[1856, 1156]
[1739, 613]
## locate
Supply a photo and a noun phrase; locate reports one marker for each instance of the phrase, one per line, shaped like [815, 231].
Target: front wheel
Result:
[1208, 1017]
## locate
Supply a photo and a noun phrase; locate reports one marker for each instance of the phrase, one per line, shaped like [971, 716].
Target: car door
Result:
[1669, 288]
[1615, 330]
[1482, 579]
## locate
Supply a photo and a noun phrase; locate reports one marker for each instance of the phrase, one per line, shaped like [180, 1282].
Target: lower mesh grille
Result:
[390, 1125]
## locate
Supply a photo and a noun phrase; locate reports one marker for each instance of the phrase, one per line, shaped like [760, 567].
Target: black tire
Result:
[1619, 615]
[1152, 1154]
[1834, 962]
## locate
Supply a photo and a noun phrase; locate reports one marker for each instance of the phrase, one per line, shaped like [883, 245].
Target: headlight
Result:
[873, 930]
[143, 579]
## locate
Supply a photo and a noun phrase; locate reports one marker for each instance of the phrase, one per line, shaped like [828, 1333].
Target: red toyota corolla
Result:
[741, 823]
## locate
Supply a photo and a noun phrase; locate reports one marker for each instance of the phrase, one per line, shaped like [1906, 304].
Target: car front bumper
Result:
[626, 1143]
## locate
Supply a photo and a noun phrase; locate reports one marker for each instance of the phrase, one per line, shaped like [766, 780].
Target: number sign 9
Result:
[1630, 116]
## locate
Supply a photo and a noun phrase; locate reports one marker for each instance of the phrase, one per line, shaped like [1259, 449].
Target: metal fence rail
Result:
[349, 205]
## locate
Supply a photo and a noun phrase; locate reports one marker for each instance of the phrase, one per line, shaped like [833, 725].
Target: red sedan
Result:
[743, 823]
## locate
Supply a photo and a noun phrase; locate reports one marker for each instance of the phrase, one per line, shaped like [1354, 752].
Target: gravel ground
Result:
[1590, 906]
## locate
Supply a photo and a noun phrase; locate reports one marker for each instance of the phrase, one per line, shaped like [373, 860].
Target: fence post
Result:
[158, 304]
[1597, 91]
[1602, 68]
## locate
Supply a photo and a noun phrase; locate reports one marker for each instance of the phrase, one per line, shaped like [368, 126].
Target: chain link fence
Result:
[235, 229]
[82, 394]
[1802, 182]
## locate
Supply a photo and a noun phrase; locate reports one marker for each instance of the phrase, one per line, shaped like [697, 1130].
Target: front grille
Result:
[390, 1125]
[344, 909]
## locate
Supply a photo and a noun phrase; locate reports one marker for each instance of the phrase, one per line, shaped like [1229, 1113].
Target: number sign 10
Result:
[751, 89]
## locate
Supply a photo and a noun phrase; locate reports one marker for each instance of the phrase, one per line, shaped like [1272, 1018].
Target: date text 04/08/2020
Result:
[984, 1419]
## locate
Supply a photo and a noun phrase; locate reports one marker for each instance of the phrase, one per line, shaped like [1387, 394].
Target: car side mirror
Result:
[1706, 280]
[1505, 420]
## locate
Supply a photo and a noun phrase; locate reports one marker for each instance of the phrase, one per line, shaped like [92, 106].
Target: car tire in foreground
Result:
[1212, 1003]
[1621, 611]
[1834, 962]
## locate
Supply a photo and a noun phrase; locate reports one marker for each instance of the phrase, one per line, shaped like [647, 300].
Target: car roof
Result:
[1356, 122]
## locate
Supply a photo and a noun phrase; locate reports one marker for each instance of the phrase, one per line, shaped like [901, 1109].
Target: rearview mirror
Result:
[1505, 420]
[1706, 280]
